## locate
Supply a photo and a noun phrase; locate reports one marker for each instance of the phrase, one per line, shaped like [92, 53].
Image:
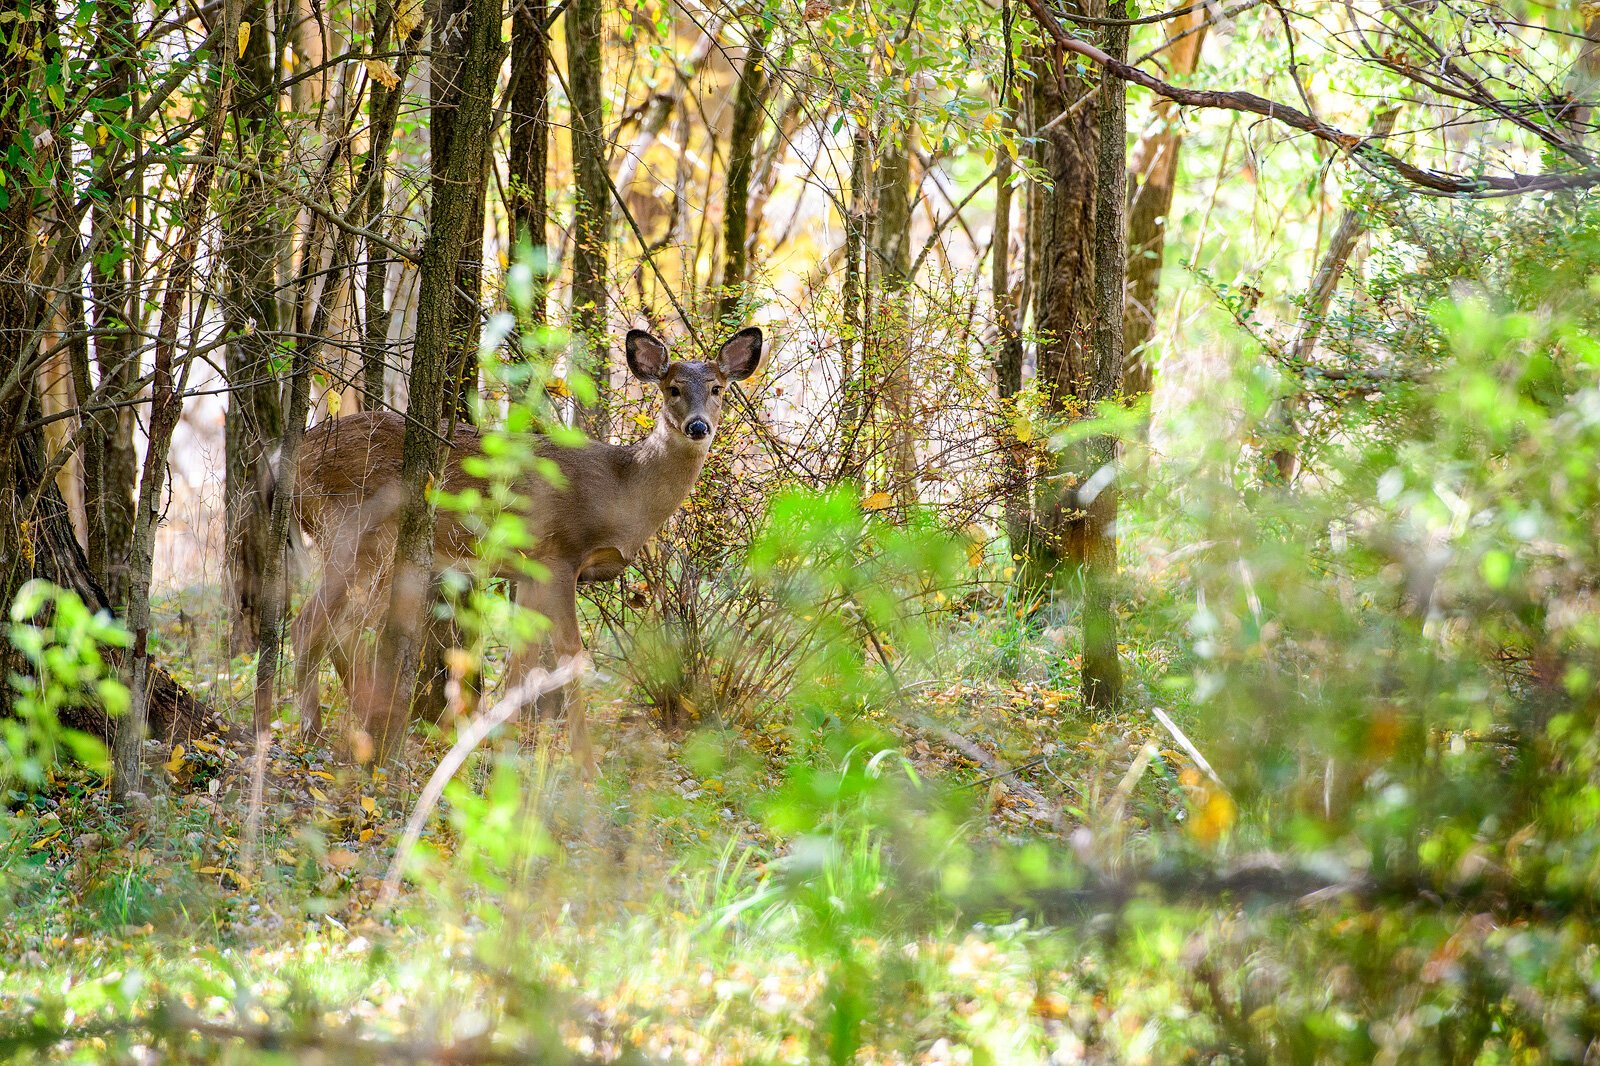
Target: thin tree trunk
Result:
[166, 404]
[450, 218]
[592, 226]
[1098, 492]
[445, 85]
[385, 111]
[889, 256]
[530, 132]
[748, 111]
[1007, 363]
[856, 224]
[253, 239]
[108, 453]
[1154, 171]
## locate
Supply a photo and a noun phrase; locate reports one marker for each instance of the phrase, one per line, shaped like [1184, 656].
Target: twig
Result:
[474, 733]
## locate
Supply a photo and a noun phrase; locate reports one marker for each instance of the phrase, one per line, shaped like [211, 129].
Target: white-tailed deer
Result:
[611, 499]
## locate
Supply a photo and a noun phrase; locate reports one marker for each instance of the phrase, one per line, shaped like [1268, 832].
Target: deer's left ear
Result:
[742, 354]
[647, 356]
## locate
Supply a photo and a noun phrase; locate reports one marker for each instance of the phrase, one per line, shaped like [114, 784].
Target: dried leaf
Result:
[382, 72]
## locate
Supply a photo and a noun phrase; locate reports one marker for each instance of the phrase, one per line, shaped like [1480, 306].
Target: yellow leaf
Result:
[366, 835]
[644, 422]
[318, 795]
[244, 37]
[368, 805]
[175, 763]
[1215, 817]
[37, 844]
[320, 773]
[201, 745]
[101, 133]
[209, 870]
[335, 402]
[557, 387]
[284, 856]
[1024, 432]
[407, 17]
[878, 501]
[382, 72]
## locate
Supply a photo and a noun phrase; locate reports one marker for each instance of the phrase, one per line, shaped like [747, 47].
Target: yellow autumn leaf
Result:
[878, 501]
[37, 844]
[366, 835]
[318, 795]
[244, 37]
[335, 403]
[1215, 816]
[284, 856]
[368, 805]
[644, 422]
[382, 72]
[557, 387]
[174, 764]
[407, 17]
[1024, 432]
[320, 773]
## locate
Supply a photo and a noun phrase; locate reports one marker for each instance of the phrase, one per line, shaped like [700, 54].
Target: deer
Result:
[588, 524]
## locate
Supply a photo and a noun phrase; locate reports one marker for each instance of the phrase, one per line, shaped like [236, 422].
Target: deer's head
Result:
[693, 390]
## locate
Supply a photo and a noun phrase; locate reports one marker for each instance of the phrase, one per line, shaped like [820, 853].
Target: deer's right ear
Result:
[647, 356]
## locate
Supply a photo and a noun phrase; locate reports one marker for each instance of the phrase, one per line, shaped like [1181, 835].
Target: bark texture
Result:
[254, 240]
[450, 217]
[592, 224]
[749, 108]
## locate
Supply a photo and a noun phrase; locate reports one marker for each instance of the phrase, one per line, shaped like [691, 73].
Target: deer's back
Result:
[349, 482]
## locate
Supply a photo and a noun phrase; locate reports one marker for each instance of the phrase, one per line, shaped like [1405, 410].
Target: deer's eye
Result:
[716, 390]
[676, 392]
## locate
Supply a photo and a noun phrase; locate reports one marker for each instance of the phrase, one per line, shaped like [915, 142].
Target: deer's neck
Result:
[660, 475]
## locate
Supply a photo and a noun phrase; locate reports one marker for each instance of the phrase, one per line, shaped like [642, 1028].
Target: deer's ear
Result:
[647, 356]
[742, 354]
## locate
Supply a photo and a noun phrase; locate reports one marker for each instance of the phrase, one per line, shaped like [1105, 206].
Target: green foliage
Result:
[61, 642]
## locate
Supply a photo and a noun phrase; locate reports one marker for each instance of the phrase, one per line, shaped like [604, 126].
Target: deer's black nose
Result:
[697, 428]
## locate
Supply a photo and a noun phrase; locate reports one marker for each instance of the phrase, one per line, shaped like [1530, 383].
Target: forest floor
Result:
[653, 912]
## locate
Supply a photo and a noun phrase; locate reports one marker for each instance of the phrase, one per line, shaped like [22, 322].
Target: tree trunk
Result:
[1154, 170]
[889, 256]
[37, 540]
[108, 454]
[446, 87]
[252, 244]
[857, 221]
[1060, 264]
[384, 110]
[592, 224]
[166, 404]
[1007, 364]
[748, 111]
[530, 132]
[450, 218]
[1098, 492]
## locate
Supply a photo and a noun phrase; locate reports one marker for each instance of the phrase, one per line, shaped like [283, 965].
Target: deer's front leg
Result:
[557, 600]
